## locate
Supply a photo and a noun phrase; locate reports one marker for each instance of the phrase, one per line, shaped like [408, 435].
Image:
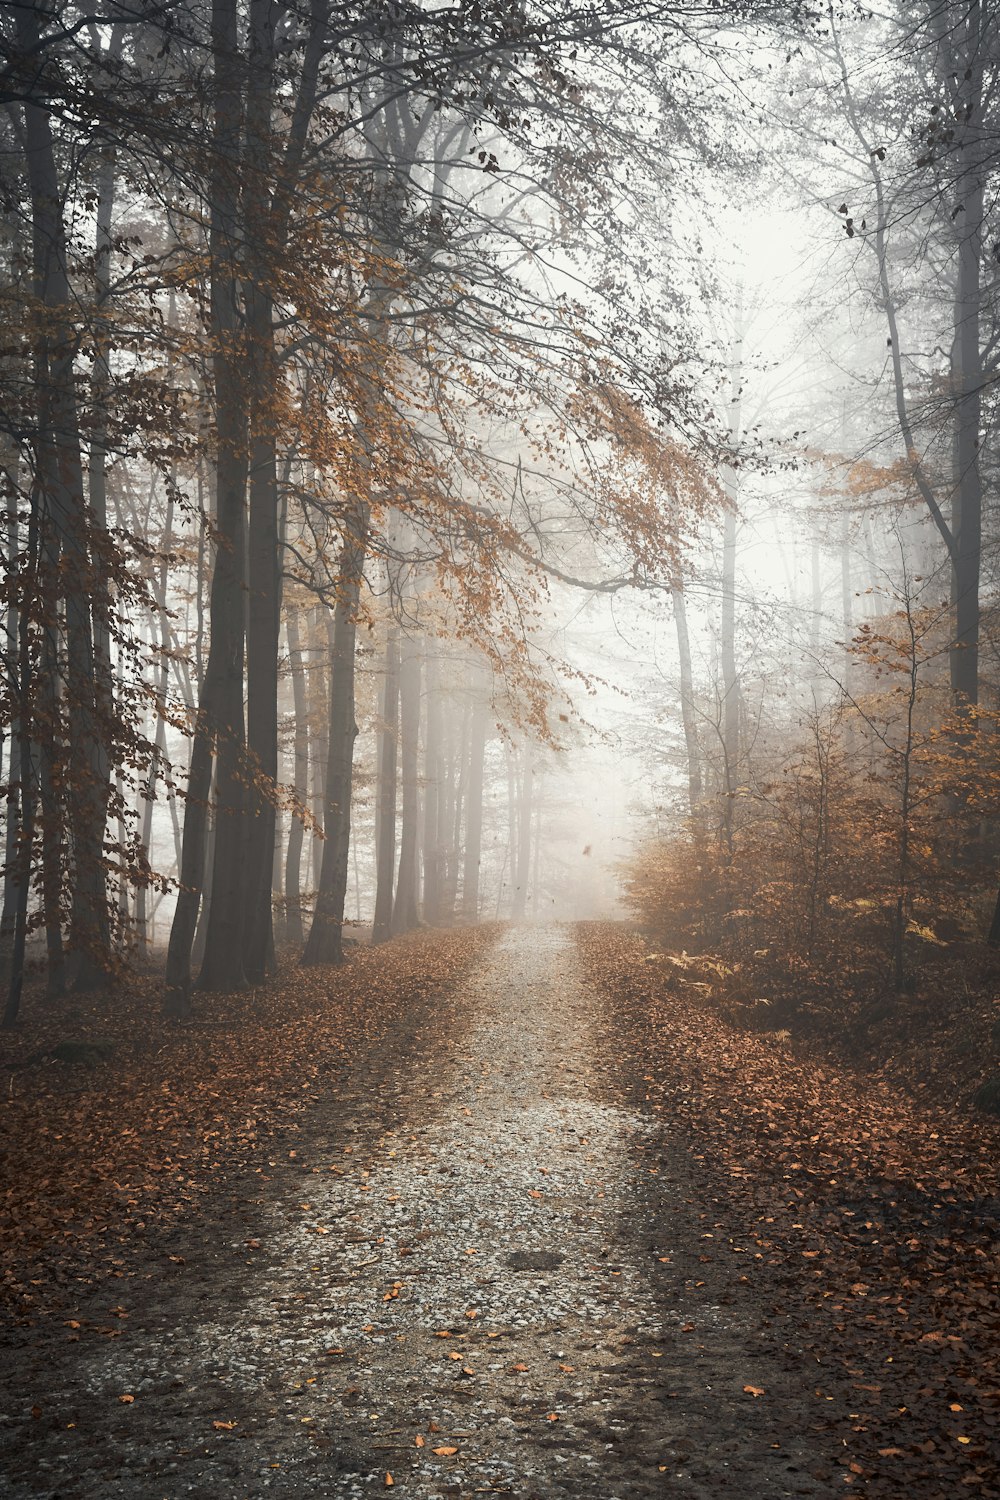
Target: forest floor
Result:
[518, 1220]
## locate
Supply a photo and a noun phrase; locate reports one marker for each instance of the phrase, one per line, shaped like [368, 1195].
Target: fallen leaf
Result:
[126, 1400]
[754, 1390]
[220, 1426]
[444, 1451]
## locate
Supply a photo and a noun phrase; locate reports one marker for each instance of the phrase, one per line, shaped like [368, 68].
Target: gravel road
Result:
[477, 1270]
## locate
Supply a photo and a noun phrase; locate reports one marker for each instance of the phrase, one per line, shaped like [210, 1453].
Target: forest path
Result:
[486, 1182]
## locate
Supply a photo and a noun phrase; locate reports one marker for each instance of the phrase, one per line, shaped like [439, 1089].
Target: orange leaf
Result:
[444, 1452]
[754, 1390]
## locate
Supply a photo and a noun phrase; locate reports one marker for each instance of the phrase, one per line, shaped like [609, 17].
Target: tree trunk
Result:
[15, 572]
[405, 914]
[89, 915]
[524, 784]
[266, 239]
[60, 471]
[727, 638]
[19, 872]
[433, 796]
[326, 938]
[474, 814]
[219, 722]
[293, 855]
[321, 653]
[385, 808]
[688, 720]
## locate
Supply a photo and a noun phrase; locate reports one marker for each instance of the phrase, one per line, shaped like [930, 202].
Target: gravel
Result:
[466, 1249]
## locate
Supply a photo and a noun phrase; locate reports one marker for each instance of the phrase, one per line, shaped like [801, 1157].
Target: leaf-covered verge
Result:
[116, 1122]
[733, 939]
[878, 1212]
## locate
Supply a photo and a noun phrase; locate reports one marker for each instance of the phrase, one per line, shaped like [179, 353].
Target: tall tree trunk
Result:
[89, 897]
[385, 808]
[264, 573]
[727, 637]
[15, 572]
[293, 854]
[321, 654]
[688, 719]
[160, 731]
[967, 505]
[60, 470]
[433, 794]
[473, 851]
[405, 913]
[453, 809]
[262, 710]
[522, 834]
[219, 722]
[325, 944]
[26, 792]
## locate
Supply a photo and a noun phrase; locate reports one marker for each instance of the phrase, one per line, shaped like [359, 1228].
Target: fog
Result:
[446, 472]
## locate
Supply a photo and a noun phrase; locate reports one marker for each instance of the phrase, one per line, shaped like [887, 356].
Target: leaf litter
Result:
[631, 1346]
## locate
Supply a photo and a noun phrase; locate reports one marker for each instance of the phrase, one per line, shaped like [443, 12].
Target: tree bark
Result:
[325, 944]
[405, 910]
[60, 471]
[385, 820]
[524, 784]
[473, 852]
[688, 720]
[219, 721]
[433, 794]
[293, 854]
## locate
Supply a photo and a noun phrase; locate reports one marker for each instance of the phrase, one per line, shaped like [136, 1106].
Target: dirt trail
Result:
[484, 1182]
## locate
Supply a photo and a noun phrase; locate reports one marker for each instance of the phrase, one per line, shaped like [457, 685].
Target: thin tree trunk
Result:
[454, 811]
[473, 851]
[688, 720]
[433, 793]
[385, 820]
[321, 651]
[727, 635]
[524, 784]
[405, 914]
[293, 857]
[25, 777]
[15, 574]
[325, 944]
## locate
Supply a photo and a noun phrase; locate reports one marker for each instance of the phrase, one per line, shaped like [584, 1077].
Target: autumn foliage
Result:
[877, 1212]
[846, 884]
